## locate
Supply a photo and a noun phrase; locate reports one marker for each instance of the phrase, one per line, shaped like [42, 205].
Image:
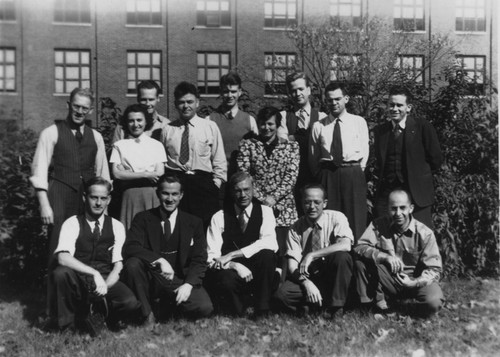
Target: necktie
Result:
[167, 230]
[229, 115]
[96, 233]
[242, 221]
[78, 135]
[302, 119]
[184, 154]
[397, 131]
[314, 241]
[337, 144]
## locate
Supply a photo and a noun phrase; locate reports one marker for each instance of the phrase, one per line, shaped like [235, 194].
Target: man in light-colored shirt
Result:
[241, 251]
[195, 151]
[399, 257]
[339, 149]
[319, 264]
[296, 126]
[90, 262]
[148, 94]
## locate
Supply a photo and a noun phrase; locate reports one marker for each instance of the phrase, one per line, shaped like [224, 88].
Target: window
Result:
[144, 12]
[347, 11]
[277, 67]
[72, 69]
[7, 10]
[280, 13]
[470, 15]
[409, 15]
[343, 70]
[72, 11]
[213, 13]
[211, 66]
[412, 67]
[7, 70]
[142, 65]
[473, 69]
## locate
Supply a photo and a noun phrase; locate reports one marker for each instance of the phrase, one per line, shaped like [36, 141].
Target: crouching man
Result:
[241, 251]
[319, 263]
[90, 262]
[399, 257]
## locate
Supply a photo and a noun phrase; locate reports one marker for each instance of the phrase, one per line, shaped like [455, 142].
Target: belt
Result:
[332, 165]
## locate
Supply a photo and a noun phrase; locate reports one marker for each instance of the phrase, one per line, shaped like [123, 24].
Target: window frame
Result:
[398, 4]
[278, 87]
[355, 21]
[354, 86]
[224, 17]
[155, 18]
[414, 69]
[271, 21]
[473, 88]
[8, 7]
[63, 9]
[476, 19]
[205, 67]
[80, 65]
[136, 66]
[4, 64]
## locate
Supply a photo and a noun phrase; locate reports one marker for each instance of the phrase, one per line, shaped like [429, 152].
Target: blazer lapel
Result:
[410, 133]
[384, 139]
[155, 232]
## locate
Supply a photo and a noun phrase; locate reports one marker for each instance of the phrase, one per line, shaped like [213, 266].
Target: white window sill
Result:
[144, 26]
[86, 24]
[200, 27]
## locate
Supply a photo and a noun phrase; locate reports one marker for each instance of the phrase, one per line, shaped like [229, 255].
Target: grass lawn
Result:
[468, 325]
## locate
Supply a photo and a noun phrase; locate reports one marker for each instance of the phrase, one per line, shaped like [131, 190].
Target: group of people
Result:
[226, 212]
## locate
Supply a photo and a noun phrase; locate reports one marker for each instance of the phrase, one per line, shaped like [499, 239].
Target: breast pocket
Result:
[203, 148]
[411, 258]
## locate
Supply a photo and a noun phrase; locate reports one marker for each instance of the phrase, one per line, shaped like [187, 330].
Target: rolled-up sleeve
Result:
[366, 246]
[294, 245]
[101, 162]
[267, 236]
[43, 157]
[119, 232]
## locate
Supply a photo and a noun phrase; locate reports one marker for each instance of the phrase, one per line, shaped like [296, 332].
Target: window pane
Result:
[155, 6]
[143, 6]
[72, 73]
[143, 59]
[213, 74]
[201, 59]
[59, 87]
[70, 85]
[200, 5]
[130, 58]
[156, 74]
[212, 5]
[9, 56]
[156, 59]
[131, 73]
[224, 6]
[130, 5]
[85, 56]
[201, 74]
[59, 57]
[143, 73]
[212, 59]
[85, 72]
[10, 84]
[225, 60]
[72, 57]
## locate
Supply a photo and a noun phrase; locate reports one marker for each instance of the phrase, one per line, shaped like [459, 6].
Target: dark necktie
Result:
[78, 135]
[337, 144]
[167, 229]
[314, 240]
[184, 154]
[302, 118]
[229, 115]
[397, 131]
[96, 233]
[242, 221]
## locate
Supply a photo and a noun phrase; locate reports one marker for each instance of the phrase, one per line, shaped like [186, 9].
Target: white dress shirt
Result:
[302, 124]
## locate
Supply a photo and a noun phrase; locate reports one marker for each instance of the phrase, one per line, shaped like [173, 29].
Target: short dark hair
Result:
[147, 84]
[267, 113]
[238, 177]
[332, 86]
[184, 88]
[310, 186]
[230, 79]
[401, 90]
[401, 190]
[84, 92]
[136, 108]
[292, 77]
[169, 178]
[98, 180]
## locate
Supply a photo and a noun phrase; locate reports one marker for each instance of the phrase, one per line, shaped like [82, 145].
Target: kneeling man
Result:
[319, 262]
[399, 257]
[90, 261]
[241, 251]
[166, 256]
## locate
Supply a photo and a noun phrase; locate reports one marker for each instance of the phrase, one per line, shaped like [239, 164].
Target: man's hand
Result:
[269, 201]
[220, 262]
[152, 176]
[101, 288]
[166, 269]
[112, 278]
[312, 293]
[395, 264]
[46, 214]
[243, 272]
[304, 264]
[405, 280]
[183, 293]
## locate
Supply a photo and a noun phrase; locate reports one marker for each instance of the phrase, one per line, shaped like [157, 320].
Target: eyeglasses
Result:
[79, 108]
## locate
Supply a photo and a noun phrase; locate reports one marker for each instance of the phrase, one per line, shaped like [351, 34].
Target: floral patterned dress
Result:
[273, 175]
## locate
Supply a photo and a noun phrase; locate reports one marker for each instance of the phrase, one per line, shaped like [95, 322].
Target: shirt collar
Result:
[402, 123]
[164, 215]
[320, 222]
[92, 223]
[141, 137]
[248, 210]
[306, 108]
[409, 231]
[341, 117]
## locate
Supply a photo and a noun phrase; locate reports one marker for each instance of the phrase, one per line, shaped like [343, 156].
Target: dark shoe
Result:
[95, 321]
[259, 315]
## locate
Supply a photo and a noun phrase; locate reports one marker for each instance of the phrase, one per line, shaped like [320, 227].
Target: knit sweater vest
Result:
[233, 238]
[232, 130]
[394, 163]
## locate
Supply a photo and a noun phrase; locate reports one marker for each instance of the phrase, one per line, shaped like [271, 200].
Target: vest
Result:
[92, 252]
[233, 238]
[394, 161]
[74, 162]
[170, 248]
[232, 130]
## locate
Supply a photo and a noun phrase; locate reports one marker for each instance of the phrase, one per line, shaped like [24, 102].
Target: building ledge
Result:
[86, 24]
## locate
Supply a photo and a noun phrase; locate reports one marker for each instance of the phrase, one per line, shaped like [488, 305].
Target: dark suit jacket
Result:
[144, 239]
[422, 156]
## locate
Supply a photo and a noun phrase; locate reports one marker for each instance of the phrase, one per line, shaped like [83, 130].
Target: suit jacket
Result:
[421, 156]
[144, 240]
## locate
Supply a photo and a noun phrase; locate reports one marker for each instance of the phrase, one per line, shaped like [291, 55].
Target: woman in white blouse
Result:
[137, 163]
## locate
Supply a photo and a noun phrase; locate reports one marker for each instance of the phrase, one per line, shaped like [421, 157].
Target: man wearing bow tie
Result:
[408, 153]
[241, 251]
[166, 256]
[338, 152]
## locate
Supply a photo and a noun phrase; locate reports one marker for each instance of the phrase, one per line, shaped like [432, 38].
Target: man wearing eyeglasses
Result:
[76, 154]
